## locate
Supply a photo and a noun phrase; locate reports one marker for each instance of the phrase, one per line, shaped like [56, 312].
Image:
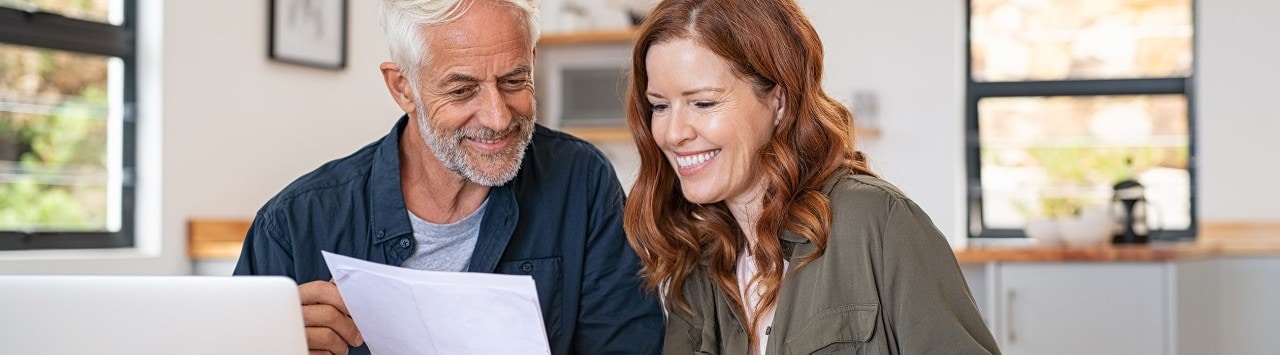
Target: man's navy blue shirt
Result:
[559, 220]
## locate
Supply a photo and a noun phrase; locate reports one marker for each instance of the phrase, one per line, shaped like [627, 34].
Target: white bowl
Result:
[1079, 232]
[1044, 231]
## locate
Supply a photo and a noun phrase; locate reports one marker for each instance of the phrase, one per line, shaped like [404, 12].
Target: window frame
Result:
[53, 31]
[975, 91]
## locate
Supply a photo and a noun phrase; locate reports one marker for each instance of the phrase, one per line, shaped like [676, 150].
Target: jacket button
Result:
[404, 243]
[526, 266]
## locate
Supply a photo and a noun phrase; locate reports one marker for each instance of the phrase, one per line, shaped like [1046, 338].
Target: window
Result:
[1066, 98]
[67, 90]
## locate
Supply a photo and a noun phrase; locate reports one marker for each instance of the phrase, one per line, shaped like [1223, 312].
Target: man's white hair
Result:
[402, 20]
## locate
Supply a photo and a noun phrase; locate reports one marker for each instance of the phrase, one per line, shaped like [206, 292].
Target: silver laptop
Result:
[150, 315]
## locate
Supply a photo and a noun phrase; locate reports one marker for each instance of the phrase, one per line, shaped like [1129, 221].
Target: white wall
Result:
[911, 54]
[239, 126]
[234, 126]
[1238, 113]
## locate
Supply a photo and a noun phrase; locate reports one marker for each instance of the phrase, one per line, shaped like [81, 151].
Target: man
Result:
[465, 181]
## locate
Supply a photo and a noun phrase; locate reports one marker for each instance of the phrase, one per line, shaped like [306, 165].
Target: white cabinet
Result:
[1171, 307]
[1187, 306]
[1082, 308]
[1248, 311]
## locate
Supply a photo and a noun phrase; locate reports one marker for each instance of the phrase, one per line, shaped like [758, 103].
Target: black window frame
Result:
[975, 91]
[53, 31]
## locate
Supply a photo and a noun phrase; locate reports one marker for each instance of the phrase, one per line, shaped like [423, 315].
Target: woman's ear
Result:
[779, 102]
[399, 86]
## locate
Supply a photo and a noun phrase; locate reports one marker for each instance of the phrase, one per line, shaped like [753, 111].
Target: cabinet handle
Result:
[1008, 317]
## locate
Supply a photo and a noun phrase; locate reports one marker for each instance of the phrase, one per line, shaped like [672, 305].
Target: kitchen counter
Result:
[1214, 295]
[1101, 253]
[1216, 239]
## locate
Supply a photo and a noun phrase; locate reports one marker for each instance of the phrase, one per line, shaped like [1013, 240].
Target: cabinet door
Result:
[1082, 308]
[1249, 288]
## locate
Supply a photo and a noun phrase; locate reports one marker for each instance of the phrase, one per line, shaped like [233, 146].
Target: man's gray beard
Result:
[449, 150]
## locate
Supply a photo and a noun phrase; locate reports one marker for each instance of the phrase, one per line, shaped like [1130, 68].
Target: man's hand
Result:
[329, 325]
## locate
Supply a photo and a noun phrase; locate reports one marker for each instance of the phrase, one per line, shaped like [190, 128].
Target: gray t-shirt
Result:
[445, 247]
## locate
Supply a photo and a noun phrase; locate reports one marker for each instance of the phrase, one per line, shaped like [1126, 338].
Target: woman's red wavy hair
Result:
[769, 43]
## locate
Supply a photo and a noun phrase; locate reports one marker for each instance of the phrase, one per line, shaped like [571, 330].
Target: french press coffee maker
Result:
[1129, 210]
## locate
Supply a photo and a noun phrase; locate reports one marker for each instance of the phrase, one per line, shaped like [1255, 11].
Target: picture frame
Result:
[308, 32]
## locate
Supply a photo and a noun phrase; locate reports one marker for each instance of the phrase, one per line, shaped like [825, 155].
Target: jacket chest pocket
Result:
[835, 329]
[546, 278]
[707, 338]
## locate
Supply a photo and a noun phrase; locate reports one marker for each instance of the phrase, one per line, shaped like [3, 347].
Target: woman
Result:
[753, 213]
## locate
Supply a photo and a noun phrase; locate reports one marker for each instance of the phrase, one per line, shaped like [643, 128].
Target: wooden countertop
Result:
[1216, 239]
[1104, 253]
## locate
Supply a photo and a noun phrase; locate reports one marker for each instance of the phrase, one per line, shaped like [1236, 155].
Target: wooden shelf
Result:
[866, 132]
[601, 134]
[216, 238]
[588, 37]
[622, 134]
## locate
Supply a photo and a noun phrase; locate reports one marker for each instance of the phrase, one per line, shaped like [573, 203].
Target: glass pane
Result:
[1053, 156]
[54, 136]
[105, 11]
[1020, 40]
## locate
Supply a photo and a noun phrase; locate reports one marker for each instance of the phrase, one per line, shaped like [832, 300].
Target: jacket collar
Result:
[496, 228]
[389, 215]
[791, 243]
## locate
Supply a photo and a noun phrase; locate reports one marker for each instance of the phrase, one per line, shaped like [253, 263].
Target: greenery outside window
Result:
[67, 125]
[1066, 98]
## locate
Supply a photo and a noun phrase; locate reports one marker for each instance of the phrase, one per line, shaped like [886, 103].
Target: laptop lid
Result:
[150, 315]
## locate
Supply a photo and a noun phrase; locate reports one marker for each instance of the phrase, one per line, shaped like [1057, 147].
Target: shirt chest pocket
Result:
[834, 329]
[546, 278]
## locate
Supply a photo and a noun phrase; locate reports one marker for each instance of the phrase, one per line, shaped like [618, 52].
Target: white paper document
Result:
[407, 311]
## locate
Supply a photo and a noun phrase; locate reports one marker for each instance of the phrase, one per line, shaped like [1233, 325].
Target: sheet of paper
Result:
[407, 311]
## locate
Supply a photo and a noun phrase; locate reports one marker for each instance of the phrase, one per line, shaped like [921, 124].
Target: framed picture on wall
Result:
[308, 32]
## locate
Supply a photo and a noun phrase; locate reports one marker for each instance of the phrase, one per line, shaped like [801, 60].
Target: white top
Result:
[751, 298]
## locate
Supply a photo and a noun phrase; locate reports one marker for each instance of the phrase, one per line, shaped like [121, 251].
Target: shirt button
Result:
[526, 266]
[404, 243]
[379, 234]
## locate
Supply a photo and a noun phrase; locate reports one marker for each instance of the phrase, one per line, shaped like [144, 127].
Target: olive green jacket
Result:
[888, 283]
